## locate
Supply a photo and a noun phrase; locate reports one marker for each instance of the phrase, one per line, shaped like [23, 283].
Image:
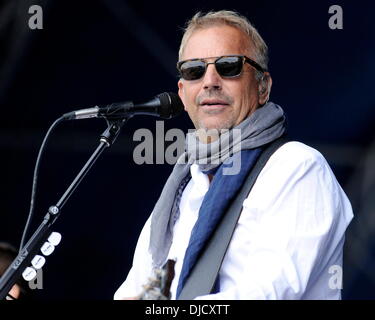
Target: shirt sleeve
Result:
[141, 269]
[290, 232]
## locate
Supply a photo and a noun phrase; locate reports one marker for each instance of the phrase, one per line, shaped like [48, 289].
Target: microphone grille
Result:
[170, 105]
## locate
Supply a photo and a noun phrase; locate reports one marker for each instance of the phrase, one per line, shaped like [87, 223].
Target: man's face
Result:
[214, 102]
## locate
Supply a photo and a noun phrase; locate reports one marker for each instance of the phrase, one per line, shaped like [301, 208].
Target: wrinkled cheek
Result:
[193, 115]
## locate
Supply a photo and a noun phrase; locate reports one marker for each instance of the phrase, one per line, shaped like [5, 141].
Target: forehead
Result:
[216, 41]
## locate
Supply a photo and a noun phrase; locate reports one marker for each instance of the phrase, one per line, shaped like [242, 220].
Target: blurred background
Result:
[103, 51]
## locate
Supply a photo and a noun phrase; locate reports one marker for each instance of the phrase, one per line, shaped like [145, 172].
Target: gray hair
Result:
[230, 18]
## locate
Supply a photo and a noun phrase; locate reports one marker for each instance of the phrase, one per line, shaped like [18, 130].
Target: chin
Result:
[210, 124]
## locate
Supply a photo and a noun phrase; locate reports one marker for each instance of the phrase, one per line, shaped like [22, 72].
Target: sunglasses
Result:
[226, 67]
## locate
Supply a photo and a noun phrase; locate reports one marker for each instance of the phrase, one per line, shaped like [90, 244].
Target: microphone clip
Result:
[113, 130]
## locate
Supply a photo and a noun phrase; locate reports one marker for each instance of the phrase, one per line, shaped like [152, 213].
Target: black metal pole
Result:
[14, 271]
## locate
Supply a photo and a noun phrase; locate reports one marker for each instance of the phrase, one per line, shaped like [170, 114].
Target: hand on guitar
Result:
[159, 285]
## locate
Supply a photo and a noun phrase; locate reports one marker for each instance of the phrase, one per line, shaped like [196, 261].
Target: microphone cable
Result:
[35, 180]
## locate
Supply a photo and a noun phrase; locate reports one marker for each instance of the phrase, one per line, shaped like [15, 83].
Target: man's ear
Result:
[264, 87]
[180, 85]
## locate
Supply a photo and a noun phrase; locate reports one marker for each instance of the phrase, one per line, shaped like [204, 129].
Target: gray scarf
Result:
[264, 125]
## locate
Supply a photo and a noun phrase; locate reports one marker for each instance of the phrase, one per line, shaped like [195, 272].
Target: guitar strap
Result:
[202, 278]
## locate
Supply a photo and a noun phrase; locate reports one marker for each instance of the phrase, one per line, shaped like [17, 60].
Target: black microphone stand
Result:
[14, 271]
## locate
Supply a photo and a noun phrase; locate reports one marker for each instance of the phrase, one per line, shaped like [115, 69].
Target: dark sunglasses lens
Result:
[192, 70]
[229, 66]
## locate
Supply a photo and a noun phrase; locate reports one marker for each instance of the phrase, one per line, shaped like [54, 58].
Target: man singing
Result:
[289, 236]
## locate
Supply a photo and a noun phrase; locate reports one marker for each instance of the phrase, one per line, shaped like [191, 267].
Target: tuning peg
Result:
[54, 238]
[38, 262]
[29, 274]
[47, 248]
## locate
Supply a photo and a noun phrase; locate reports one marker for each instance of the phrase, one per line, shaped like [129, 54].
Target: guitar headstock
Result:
[159, 285]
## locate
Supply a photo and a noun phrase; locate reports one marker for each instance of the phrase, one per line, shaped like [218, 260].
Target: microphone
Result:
[165, 105]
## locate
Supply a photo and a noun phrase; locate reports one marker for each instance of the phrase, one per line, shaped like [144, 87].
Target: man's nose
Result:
[212, 79]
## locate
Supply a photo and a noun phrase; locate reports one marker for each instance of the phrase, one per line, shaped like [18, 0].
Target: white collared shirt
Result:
[288, 242]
